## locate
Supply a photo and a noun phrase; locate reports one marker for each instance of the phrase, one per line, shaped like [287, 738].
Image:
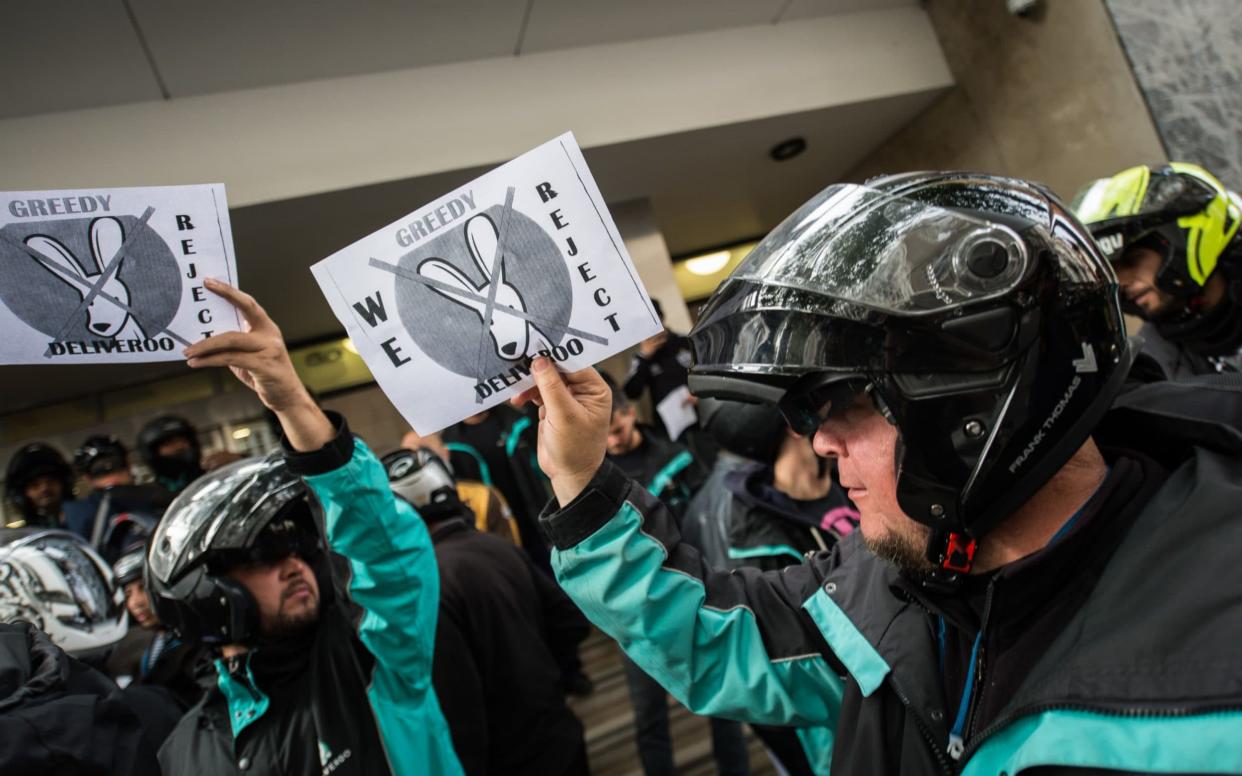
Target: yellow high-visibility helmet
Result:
[1179, 210]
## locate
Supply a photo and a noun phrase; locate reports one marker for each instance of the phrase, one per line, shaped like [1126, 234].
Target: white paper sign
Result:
[448, 305]
[112, 275]
[677, 411]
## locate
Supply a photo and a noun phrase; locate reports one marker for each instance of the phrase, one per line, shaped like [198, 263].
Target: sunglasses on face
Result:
[282, 538]
[806, 408]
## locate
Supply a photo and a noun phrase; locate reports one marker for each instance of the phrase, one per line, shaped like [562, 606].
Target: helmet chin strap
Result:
[952, 555]
[955, 551]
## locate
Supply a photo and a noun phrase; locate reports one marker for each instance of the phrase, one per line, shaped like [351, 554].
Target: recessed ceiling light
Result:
[709, 263]
[788, 149]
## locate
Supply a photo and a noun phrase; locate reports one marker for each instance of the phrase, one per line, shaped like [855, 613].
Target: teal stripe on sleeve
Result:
[846, 642]
[713, 661]
[763, 551]
[817, 746]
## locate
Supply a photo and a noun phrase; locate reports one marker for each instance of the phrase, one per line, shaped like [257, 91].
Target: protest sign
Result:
[112, 275]
[677, 411]
[449, 304]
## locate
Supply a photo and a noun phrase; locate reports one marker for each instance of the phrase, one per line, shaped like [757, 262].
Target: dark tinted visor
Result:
[1117, 222]
[222, 511]
[290, 533]
[807, 405]
[776, 335]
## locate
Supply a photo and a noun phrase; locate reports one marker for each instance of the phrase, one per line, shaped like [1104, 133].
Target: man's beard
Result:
[286, 624]
[907, 552]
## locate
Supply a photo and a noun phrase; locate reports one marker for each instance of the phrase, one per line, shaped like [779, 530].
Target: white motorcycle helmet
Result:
[420, 477]
[54, 580]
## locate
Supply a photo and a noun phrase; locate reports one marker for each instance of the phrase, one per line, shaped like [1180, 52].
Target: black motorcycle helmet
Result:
[254, 509]
[100, 454]
[1186, 215]
[129, 567]
[974, 310]
[124, 533]
[749, 429]
[29, 463]
[182, 468]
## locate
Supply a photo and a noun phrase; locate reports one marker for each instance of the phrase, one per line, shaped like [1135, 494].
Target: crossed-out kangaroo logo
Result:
[70, 280]
[444, 314]
[449, 304]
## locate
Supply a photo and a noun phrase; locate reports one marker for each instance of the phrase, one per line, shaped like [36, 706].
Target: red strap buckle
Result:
[959, 553]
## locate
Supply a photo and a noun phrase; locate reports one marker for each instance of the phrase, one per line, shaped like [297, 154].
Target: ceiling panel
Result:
[805, 9]
[559, 24]
[238, 44]
[70, 54]
[718, 186]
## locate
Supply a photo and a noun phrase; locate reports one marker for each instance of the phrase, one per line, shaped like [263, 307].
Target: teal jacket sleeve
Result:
[731, 644]
[392, 565]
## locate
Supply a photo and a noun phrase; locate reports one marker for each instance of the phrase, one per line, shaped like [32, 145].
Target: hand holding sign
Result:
[259, 358]
[574, 410]
[450, 305]
[111, 275]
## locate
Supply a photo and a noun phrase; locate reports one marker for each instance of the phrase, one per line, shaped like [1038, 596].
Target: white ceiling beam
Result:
[276, 143]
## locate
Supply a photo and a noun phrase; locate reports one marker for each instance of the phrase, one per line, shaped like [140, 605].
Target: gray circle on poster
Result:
[45, 302]
[450, 332]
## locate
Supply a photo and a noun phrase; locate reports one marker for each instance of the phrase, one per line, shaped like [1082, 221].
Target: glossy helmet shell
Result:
[214, 521]
[419, 476]
[1180, 210]
[100, 454]
[55, 580]
[977, 309]
[31, 461]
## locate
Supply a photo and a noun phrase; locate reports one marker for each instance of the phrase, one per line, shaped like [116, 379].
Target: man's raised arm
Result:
[394, 576]
[735, 644]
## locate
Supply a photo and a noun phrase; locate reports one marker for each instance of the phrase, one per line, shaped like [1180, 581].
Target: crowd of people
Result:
[938, 512]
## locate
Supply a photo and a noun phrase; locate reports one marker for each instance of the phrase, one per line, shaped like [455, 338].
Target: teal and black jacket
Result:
[355, 696]
[667, 470]
[500, 451]
[1115, 649]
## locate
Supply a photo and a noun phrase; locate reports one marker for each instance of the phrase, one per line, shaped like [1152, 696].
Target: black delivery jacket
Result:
[504, 630]
[323, 702]
[667, 470]
[1117, 648]
[59, 717]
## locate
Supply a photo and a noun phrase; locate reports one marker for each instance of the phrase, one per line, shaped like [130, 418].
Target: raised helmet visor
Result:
[852, 255]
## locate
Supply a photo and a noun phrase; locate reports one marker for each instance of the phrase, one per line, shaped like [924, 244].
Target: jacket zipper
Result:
[957, 744]
[960, 728]
[945, 766]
